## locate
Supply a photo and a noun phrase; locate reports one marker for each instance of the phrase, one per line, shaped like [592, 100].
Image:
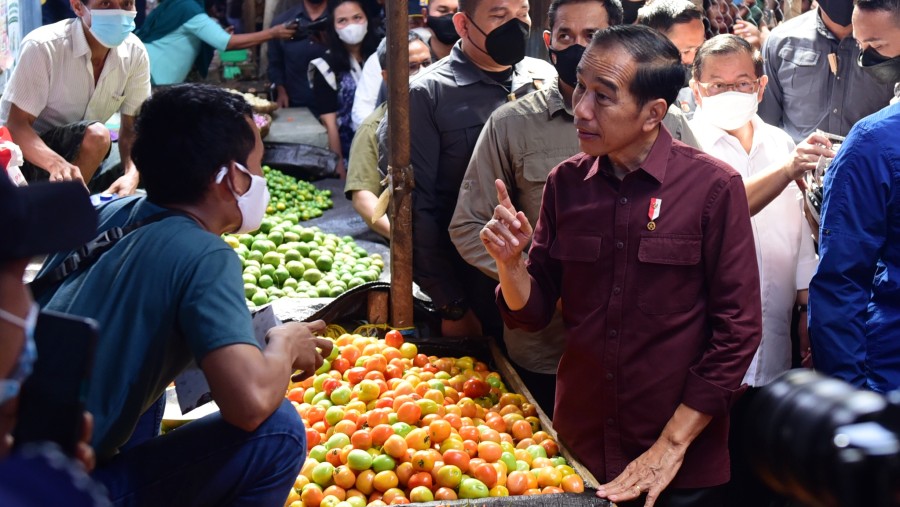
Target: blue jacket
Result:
[854, 297]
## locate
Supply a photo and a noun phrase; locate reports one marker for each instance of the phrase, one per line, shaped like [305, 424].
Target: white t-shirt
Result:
[784, 246]
[54, 79]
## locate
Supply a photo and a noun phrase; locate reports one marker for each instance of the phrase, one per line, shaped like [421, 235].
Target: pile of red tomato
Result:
[387, 425]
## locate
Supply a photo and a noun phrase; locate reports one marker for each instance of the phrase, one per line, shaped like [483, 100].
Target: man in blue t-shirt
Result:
[170, 292]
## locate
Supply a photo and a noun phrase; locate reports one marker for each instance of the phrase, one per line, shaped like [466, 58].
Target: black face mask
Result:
[885, 70]
[838, 10]
[316, 2]
[443, 28]
[566, 63]
[506, 43]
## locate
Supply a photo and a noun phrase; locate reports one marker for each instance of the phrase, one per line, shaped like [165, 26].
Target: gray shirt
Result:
[803, 93]
[449, 104]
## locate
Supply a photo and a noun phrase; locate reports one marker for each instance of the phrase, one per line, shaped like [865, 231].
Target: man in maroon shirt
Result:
[648, 243]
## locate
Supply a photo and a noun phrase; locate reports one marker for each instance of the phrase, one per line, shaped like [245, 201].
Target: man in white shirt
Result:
[728, 84]
[72, 76]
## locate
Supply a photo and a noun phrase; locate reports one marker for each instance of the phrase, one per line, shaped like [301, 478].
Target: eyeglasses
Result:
[414, 67]
[9, 387]
[743, 86]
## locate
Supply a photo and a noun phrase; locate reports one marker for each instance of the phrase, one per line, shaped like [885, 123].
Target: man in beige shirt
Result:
[72, 77]
[520, 144]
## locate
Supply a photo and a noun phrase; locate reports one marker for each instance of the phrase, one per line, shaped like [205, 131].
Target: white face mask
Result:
[353, 34]
[254, 201]
[729, 110]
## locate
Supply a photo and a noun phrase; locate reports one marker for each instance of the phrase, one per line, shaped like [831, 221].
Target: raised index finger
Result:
[503, 195]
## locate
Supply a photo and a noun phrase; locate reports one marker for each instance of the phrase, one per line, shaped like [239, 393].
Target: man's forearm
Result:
[364, 203]
[684, 426]
[249, 40]
[126, 141]
[762, 189]
[34, 149]
[515, 284]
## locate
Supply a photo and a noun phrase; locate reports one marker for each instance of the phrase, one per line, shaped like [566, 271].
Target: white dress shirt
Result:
[367, 87]
[784, 246]
[54, 79]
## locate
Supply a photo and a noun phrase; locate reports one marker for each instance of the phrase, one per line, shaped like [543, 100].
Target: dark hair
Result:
[340, 57]
[892, 6]
[662, 15]
[469, 6]
[381, 52]
[722, 45]
[184, 134]
[614, 12]
[659, 73]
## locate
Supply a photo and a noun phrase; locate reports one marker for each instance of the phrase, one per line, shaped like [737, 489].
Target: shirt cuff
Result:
[530, 317]
[708, 398]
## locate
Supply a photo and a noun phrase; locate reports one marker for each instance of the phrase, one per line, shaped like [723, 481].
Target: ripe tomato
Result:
[385, 480]
[486, 474]
[365, 482]
[395, 446]
[393, 338]
[572, 484]
[422, 461]
[459, 459]
[420, 479]
[380, 433]
[445, 494]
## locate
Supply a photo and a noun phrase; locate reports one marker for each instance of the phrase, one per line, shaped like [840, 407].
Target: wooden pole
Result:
[399, 164]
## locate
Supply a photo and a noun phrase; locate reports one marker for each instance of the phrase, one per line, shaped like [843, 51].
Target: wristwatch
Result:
[454, 310]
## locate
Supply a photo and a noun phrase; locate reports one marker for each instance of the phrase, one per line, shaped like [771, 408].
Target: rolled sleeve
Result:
[478, 197]
[734, 305]
[29, 87]
[137, 88]
[854, 211]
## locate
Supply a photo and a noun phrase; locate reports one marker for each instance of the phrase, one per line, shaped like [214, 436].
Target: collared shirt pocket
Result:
[670, 275]
[578, 254]
[799, 72]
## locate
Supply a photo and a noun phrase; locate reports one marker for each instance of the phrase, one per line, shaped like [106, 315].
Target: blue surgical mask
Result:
[111, 26]
[9, 387]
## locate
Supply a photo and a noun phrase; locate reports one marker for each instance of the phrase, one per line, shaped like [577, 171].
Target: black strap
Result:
[88, 254]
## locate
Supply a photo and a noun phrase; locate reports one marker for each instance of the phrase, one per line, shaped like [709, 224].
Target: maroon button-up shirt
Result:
[655, 315]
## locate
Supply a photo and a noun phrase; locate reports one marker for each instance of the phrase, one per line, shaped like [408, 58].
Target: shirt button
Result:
[620, 245]
[623, 200]
[617, 290]
[835, 111]
[609, 376]
[610, 421]
[613, 333]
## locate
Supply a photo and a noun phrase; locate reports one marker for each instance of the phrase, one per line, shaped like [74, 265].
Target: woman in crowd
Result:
[334, 76]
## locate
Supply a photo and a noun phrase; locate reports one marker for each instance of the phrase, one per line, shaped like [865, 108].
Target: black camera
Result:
[824, 443]
[306, 28]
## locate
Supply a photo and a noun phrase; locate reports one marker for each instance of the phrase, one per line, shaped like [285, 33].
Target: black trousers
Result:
[702, 497]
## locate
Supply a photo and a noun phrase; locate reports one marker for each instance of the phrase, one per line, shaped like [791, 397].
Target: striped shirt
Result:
[54, 79]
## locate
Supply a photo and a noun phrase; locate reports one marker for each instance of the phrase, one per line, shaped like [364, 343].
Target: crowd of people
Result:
[628, 215]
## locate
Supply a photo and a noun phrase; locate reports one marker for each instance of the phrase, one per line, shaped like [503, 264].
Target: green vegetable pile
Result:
[286, 259]
[293, 199]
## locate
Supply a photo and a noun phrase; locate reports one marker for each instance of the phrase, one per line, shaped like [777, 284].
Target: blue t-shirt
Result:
[172, 57]
[167, 293]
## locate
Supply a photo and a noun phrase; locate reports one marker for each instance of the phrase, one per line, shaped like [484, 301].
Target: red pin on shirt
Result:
[653, 212]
